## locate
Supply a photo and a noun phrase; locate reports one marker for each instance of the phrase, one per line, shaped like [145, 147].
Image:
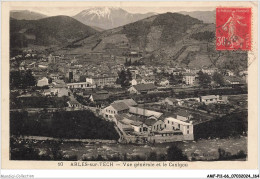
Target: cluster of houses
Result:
[209, 99]
[140, 124]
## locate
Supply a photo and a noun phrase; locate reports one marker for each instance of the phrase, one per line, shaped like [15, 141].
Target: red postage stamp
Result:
[233, 28]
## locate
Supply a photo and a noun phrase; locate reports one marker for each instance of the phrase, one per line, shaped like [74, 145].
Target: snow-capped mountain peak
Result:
[108, 17]
[101, 12]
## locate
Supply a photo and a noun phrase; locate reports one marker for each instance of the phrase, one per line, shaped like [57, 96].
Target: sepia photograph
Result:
[129, 83]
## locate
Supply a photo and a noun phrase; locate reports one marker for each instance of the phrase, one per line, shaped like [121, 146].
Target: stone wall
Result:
[162, 139]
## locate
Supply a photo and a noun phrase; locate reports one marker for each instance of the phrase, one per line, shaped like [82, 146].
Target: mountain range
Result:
[169, 38]
[56, 30]
[26, 15]
[103, 18]
[205, 16]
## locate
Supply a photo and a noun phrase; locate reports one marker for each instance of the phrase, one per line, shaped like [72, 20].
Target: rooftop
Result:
[183, 113]
[100, 97]
[209, 97]
[144, 87]
[128, 102]
[150, 122]
[120, 106]
[178, 121]
[144, 112]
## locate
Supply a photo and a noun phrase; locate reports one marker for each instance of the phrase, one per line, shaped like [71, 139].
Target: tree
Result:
[15, 79]
[175, 154]
[128, 63]
[152, 156]
[22, 79]
[180, 78]
[204, 79]
[124, 78]
[128, 77]
[173, 79]
[218, 78]
[28, 79]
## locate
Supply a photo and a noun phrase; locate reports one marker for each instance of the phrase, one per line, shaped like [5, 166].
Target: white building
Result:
[174, 124]
[189, 78]
[43, 82]
[209, 99]
[80, 85]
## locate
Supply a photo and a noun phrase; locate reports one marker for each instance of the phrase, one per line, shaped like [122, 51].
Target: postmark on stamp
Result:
[233, 28]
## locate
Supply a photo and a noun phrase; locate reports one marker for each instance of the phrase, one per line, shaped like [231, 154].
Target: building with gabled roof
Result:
[144, 112]
[183, 115]
[128, 102]
[209, 99]
[114, 109]
[43, 82]
[174, 124]
[171, 101]
[142, 88]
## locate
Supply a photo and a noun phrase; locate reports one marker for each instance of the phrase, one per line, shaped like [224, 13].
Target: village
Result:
[146, 103]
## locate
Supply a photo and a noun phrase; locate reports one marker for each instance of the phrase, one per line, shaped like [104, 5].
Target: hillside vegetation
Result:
[170, 38]
[57, 30]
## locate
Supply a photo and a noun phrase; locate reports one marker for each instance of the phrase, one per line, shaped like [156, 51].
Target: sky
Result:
[69, 11]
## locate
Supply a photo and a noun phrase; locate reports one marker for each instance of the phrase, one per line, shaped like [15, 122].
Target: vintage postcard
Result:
[129, 85]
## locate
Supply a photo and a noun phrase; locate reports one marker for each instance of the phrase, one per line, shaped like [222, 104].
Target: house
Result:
[43, 82]
[54, 76]
[134, 73]
[137, 126]
[102, 81]
[209, 99]
[128, 102]
[59, 88]
[244, 75]
[80, 85]
[116, 108]
[154, 125]
[174, 124]
[63, 92]
[188, 78]
[122, 125]
[209, 71]
[142, 88]
[148, 79]
[73, 103]
[126, 121]
[164, 82]
[145, 113]
[47, 92]
[136, 81]
[171, 101]
[229, 73]
[223, 100]
[233, 80]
